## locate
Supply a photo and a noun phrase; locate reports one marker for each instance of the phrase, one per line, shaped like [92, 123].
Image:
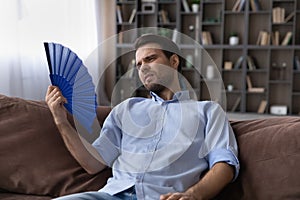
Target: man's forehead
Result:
[150, 46]
[146, 49]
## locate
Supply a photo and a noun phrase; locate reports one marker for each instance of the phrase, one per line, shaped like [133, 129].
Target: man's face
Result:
[155, 70]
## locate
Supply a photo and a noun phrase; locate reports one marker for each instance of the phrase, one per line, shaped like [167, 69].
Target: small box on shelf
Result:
[278, 109]
[227, 65]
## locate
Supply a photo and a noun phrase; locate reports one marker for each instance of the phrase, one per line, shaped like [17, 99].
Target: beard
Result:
[155, 87]
[159, 84]
[160, 81]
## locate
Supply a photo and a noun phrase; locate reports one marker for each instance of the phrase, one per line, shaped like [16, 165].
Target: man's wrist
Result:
[61, 122]
[195, 195]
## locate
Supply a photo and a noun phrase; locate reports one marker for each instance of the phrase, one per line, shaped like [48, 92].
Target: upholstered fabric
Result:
[269, 153]
[33, 157]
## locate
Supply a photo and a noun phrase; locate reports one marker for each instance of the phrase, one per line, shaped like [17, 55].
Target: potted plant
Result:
[195, 5]
[233, 39]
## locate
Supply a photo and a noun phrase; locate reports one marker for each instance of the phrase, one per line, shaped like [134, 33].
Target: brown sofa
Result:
[36, 165]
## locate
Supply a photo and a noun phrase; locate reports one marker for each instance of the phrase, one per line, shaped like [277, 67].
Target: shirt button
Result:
[138, 179]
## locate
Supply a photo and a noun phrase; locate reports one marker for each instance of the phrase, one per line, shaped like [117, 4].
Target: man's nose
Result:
[145, 67]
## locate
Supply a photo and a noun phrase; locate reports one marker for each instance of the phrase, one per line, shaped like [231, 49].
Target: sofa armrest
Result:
[35, 160]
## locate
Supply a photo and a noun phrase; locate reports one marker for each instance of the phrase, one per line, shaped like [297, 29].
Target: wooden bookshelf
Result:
[271, 45]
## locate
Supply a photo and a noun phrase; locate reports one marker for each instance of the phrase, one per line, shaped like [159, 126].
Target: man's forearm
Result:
[213, 182]
[81, 150]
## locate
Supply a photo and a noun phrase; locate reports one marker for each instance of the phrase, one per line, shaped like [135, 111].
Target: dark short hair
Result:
[168, 47]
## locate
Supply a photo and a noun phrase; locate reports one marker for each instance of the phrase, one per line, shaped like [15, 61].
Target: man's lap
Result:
[125, 195]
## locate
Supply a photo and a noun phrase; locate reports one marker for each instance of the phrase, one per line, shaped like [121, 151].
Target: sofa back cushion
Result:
[269, 154]
[33, 157]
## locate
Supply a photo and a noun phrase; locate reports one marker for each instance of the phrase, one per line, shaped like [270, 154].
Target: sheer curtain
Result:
[26, 24]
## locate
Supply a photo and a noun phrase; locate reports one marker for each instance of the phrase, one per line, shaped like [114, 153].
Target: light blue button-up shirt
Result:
[161, 146]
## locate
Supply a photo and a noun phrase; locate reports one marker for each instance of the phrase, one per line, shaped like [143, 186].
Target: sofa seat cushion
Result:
[33, 157]
[269, 153]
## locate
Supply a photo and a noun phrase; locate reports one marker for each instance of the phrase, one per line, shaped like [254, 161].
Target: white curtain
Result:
[26, 24]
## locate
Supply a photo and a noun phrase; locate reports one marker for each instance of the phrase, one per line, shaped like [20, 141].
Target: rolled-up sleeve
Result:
[220, 143]
[108, 143]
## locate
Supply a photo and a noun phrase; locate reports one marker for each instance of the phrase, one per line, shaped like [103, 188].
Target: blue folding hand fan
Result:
[71, 76]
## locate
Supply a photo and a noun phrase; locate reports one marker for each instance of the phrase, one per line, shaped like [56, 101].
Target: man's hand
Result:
[55, 101]
[208, 187]
[177, 196]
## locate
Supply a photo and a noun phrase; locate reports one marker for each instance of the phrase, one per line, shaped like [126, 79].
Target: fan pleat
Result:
[57, 57]
[71, 60]
[73, 71]
[64, 60]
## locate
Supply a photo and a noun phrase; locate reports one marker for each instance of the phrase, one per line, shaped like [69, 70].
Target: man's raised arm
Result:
[85, 154]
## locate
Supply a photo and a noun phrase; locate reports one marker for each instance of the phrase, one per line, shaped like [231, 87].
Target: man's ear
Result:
[174, 60]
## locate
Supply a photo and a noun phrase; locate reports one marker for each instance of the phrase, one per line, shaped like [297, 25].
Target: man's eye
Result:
[151, 58]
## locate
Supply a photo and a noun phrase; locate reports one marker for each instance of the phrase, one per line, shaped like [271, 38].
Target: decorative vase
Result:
[195, 8]
[234, 40]
[210, 72]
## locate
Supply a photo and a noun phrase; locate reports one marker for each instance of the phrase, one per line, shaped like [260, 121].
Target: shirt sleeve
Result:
[220, 143]
[108, 143]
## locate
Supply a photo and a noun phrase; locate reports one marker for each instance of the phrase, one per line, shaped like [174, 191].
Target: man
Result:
[167, 147]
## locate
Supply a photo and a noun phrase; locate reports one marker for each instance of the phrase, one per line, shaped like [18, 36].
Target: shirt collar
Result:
[178, 96]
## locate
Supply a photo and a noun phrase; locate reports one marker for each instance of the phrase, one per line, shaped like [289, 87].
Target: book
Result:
[251, 88]
[259, 38]
[133, 13]
[255, 5]
[241, 5]
[236, 104]
[236, 5]
[250, 63]
[275, 38]
[256, 89]
[209, 37]
[281, 15]
[275, 15]
[296, 63]
[278, 15]
[119, 14]
[263, 38]
[239, 62]
[249, 82]
[289, 17]
[252, 5]
[262, 107]
[185, 6]
[163, 16]
[206, 38]
[287, 38]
